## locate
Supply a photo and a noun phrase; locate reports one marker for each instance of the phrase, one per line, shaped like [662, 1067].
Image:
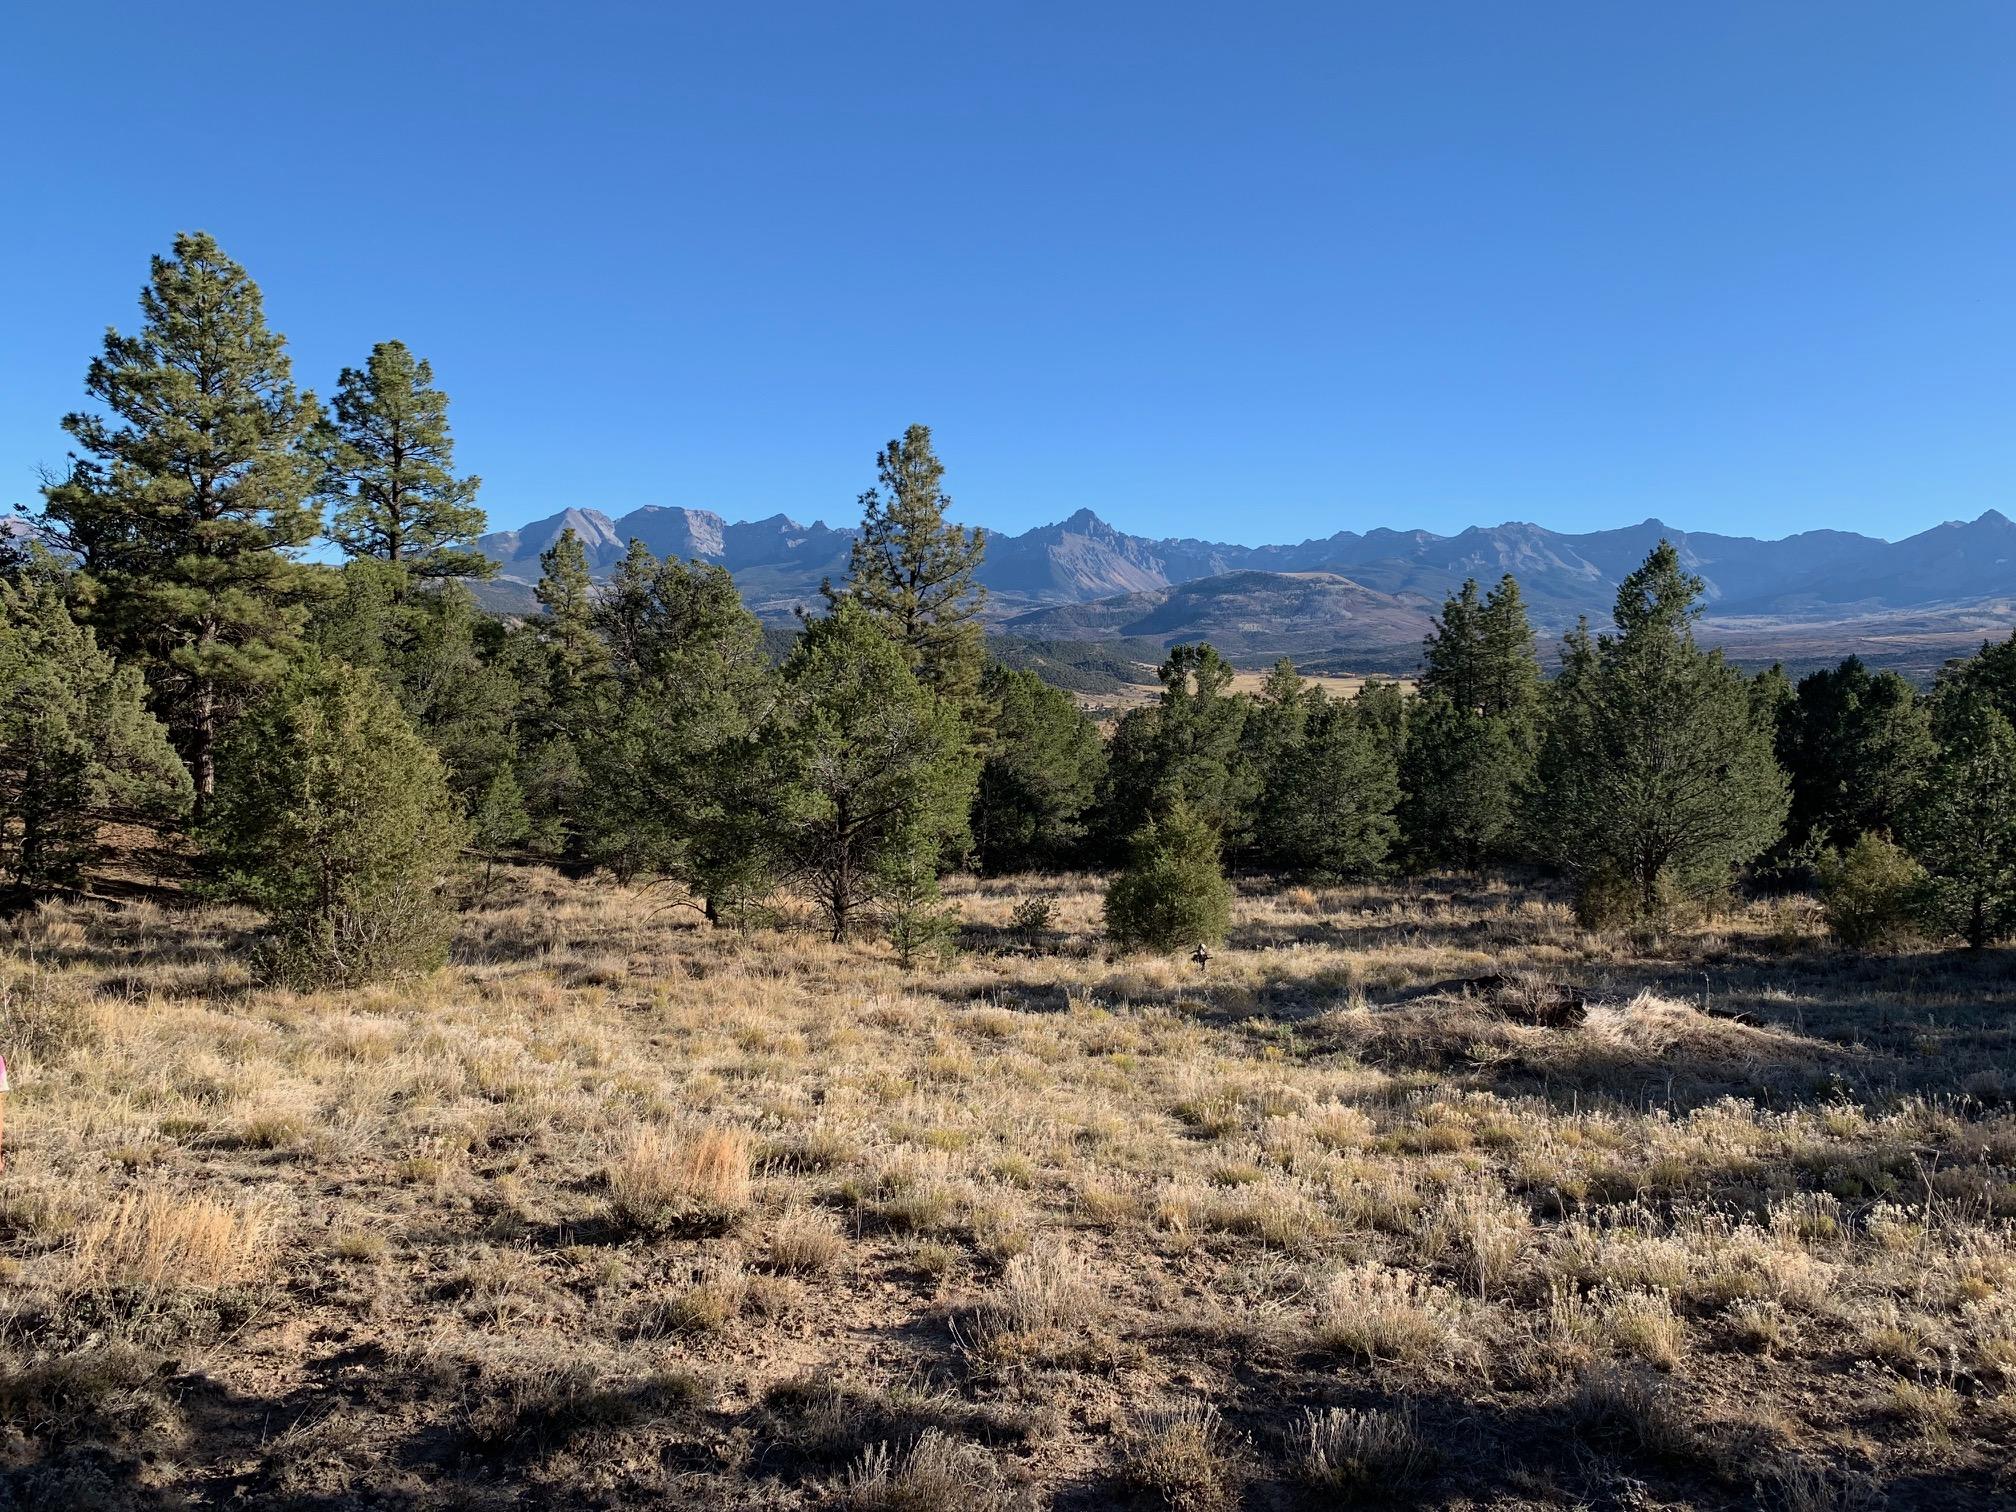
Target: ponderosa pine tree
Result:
[1270, 742]
[389, 469]
[357, 619]
[1481, 654]
[444, 657]
[1381, 709]
[570, 672]
[1771, 697]
[913, 572]
[673, 776]
[1172, 894]
[566, 592]
[1961, 827]
[1326, 809]
[1855, 745]
[1461, 777]
[1656, 777]
[867, 765]
[334, 818]
[1472, 736]
[1040, 777]
[192, 496]
[629, 612]
[77, 745]
[1184, 746]
[452, 681]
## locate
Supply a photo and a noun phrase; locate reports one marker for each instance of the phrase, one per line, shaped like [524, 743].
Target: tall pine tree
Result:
[192, 495]
[1961, 826]
[1656, 776]
[913, 571]
[873, 772]
[674, 780]
[389, 463]
[1480, 654]
[1856, 745]
[1040, 777]
[1470, 742]
[1991, 673]
[1184, 746]
[1326, 806]
[570, 672]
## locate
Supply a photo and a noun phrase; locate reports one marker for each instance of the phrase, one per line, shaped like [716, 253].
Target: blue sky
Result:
[1245, 272]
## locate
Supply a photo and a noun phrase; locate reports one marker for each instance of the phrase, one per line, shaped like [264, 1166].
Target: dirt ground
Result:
[618, 1211]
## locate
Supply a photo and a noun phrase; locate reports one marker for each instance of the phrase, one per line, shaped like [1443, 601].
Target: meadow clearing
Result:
[621, 1211]
[1109, 706]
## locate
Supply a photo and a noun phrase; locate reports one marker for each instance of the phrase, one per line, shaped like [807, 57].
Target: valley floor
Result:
[617, 1211]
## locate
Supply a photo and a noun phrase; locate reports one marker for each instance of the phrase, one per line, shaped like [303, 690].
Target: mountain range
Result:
[1368, 596]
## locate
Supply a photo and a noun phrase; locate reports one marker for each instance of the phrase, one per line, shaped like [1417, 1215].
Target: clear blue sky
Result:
[1248, 272]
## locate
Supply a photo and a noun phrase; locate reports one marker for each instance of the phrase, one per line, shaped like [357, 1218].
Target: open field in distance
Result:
[1134, 695]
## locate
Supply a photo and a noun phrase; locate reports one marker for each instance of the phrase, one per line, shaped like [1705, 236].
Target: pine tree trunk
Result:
[203, 747]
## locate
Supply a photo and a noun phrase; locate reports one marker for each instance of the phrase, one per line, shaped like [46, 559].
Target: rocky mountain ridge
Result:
[1081, 559]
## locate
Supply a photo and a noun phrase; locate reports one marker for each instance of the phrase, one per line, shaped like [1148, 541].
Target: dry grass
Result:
[935, 1474]
[1180, 1456]
[620, 1211]
[664, 1181]
[157, 1239]
[1372, 1452]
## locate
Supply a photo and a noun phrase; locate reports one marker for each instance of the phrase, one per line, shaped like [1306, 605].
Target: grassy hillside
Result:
[619, 1212]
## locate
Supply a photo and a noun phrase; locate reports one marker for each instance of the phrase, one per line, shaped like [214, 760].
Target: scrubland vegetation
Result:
[621, 1210]
[592, 1058]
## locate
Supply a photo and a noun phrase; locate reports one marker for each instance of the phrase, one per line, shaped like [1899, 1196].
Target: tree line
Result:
[337, 739]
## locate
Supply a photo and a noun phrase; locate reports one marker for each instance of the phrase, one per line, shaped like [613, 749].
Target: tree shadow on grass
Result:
[1923, 1022]
[369, 1425]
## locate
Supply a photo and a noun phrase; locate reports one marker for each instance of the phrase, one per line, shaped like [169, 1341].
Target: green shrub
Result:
[334, 818]
[1171, 894]
[922, 927]
[1031, 918]
[1870, 893]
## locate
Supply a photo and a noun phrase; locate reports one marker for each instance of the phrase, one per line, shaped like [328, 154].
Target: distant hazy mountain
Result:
[1344, 592]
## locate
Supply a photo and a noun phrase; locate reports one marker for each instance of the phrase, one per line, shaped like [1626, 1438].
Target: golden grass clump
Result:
[805, 1243]
[1044, 1302]
[665, 1180]
[1379, 1316]
[160, 1239]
